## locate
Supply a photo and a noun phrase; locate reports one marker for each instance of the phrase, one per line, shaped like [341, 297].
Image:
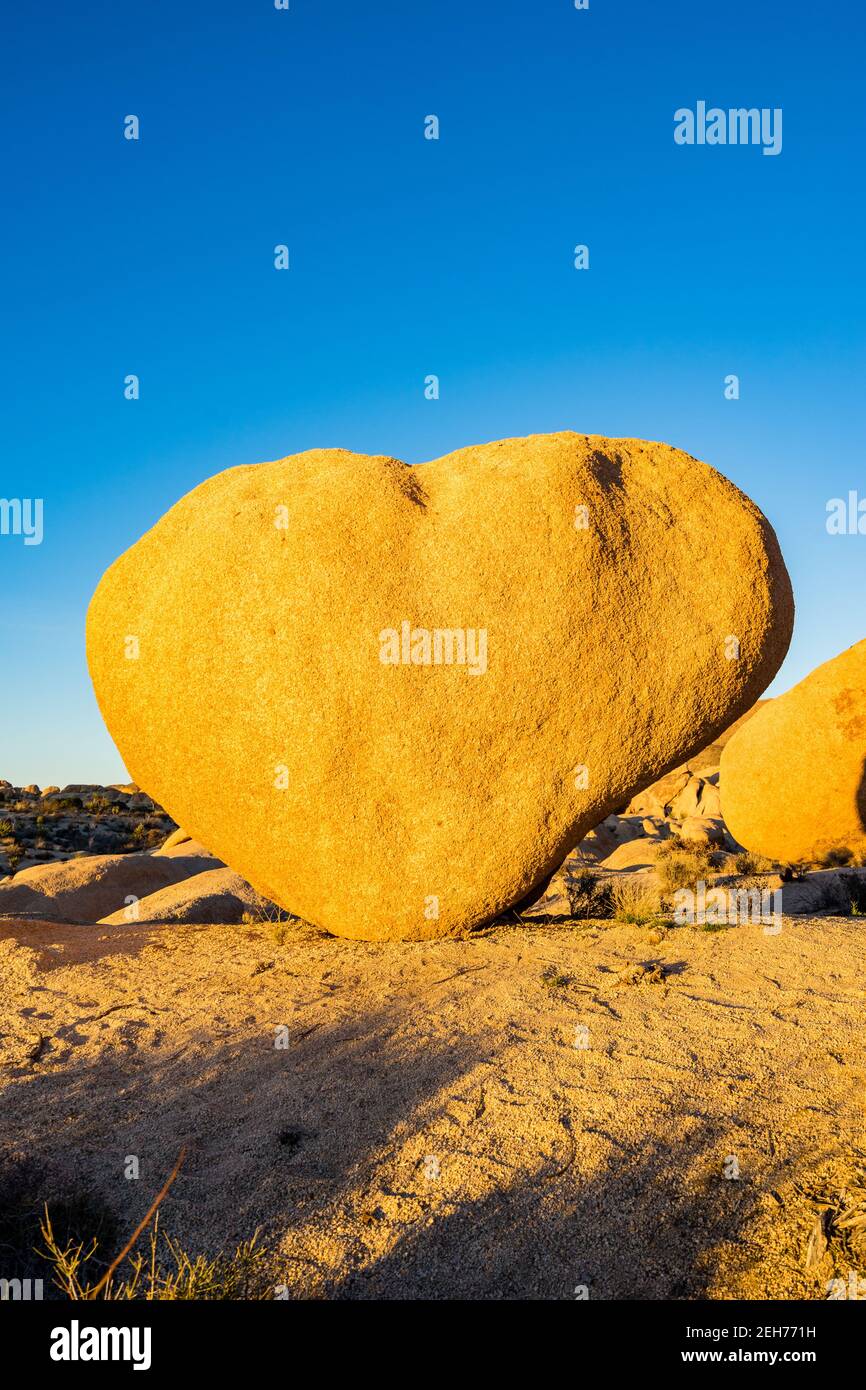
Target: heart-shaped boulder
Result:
[393, 698]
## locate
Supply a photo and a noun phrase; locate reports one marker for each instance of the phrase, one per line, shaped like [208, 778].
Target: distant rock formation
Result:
[40, 827]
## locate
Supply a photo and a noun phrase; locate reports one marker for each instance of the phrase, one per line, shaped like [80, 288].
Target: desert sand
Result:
[432, 1129]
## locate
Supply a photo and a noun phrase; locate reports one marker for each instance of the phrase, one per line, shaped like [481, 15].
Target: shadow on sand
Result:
[300, 1144]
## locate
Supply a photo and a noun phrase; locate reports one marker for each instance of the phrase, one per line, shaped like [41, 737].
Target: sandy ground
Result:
[505, 1116]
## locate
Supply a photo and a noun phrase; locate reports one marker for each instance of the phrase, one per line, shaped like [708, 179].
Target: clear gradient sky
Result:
[410, 257]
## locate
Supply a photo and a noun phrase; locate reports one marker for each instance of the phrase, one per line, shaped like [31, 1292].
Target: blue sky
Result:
[410, 257]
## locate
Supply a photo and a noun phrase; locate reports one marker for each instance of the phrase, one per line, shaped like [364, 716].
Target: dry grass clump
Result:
[635, 904]
[682, 866]
[748, 863]
[249, 1273]
[277, 922]
[552, 978]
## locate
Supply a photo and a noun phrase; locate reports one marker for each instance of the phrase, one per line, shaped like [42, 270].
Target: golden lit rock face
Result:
[394, 698]
[793, 778]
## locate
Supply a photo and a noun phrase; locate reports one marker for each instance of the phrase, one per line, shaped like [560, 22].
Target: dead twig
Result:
[466, 970]
[141, 1225]
[145, 1008]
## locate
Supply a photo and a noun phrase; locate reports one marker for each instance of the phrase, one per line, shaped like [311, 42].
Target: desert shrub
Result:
[635, 904]
[836, 858]
[748, 863]
[856, 888]
[164, 1270]
[277, 922]
[588, 896]
[6, 828]
[794, 873]
[97, 805]
[676, 845]
[683, 867]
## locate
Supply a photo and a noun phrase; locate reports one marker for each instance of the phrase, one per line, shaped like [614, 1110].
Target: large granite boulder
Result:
[436, 677]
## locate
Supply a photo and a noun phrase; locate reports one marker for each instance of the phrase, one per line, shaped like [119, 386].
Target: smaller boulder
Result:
[702, 830]
[215, 896]
[180, 843]
[697, 798]
[90, 887]
[793, 780]
[634, 854]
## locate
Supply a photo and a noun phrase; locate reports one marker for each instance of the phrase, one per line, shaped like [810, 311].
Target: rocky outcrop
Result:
[41, 827]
